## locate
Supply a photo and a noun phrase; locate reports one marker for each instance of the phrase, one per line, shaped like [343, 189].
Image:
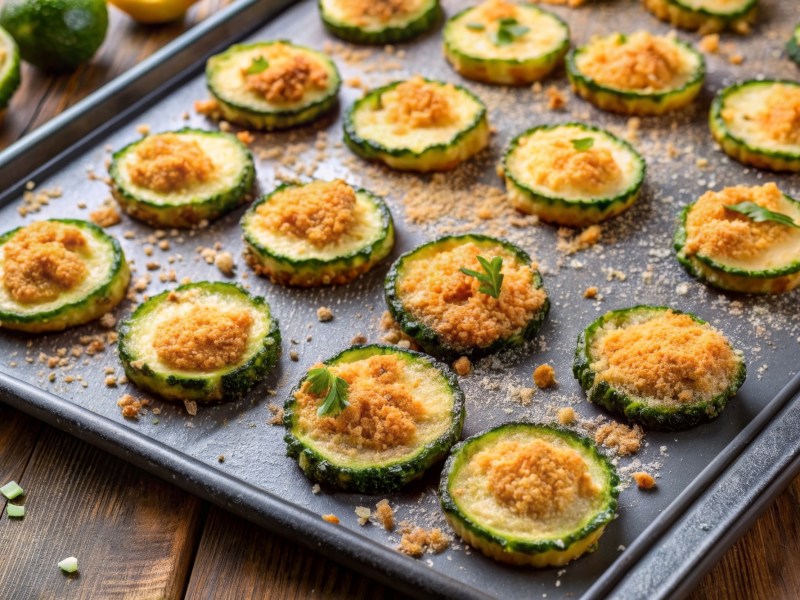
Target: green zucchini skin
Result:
[736, 147]
[310, 272]
[205, 389]
[707, 270]
[436, 157]
[632, 102]
[431, 341]
[793, 45]
[635, 409]
[104, 298]
[498, 70]
[375, 479]
[539, 553]
[186, 215]
[388, 35]
[572, 213]
[235, 111]
[10, 76]
[681, 15]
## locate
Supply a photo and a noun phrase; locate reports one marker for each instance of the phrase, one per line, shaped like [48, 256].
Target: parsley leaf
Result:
[476, 26]
[759, 214]
[492, 279]
[259, 65]
[508, 30]
[323, 382]
[583, 144]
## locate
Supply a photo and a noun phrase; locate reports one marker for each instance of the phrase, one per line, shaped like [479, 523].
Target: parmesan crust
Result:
[287, 78]
[363, 12]
[494, 10]
[780, 115]
[170, 163]
[416, 104]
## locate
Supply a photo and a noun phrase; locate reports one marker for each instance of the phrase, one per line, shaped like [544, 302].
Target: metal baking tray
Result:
[714, 479]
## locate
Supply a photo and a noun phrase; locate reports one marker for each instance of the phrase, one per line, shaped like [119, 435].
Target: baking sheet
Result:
[633, 264]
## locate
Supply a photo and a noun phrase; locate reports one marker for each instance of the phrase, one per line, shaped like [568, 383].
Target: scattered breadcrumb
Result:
[709, 43]
[324, 314]
[246, 137]
[620, 438]
[395, 335]
[359, 339]
[566, 415]
[143, 129]
[294, 356]
[331, 519]
[462, 366]
[544, 376]
[736, 59]
[384, 514]
[224, 262]
[190, 406]
[208, 108]
[131, 407]
[590, 292]
[363, 513]
[556, 99]
[416, 540]
[644, 481]
[570, 243]
[105, 216]
[277, 414]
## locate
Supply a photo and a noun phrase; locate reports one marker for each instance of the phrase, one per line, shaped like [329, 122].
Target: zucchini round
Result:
[608, 73]
[758, 123]
[354, 450]
[205, 341]
[445, 312]
[342, 233]
[548, 515]
[381, 22]
[659, 367]
[272, 85]
[417, 125]
[709, 16]
[59, 273]
[182, 178]
[9, 69]
[793, 45]
[730, 251]
[480, 44]
[572, 174]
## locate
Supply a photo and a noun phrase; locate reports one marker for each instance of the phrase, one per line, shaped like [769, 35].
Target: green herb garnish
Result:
[759, 214]
[15, 511]
[11, 490]
[492, 279]
[508, 30]
[69, 564]
[476, 26]
[259, 65]
[583, 144]
[323, 382]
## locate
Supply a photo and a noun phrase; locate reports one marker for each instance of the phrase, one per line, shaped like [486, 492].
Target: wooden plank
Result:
[239, 561]
[133, 534]
[18, 436]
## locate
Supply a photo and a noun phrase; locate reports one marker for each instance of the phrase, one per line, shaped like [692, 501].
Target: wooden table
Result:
[137, 536]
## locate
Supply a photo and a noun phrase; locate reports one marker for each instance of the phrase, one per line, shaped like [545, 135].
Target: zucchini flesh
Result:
[531, 170]
[552, 534]
[708, 16]
[225, 187]
[9, 68]
[227, 73]
[150, 371]
[100, 291]
[291, 260]
[640, 401]
[332, 458]
[470, 44]
[377, 27]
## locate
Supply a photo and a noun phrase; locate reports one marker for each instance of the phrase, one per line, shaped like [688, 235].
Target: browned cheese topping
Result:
[382, 413]
[288, 78]
[670, 357]
[170, 163]
[494, 10]
[361, 11]
[536, 479]
[714, 231]
[642, 61]
[42, 261]
[558, 165]
[416, 104]
[780, 116]
[321, 212]
[448, 301]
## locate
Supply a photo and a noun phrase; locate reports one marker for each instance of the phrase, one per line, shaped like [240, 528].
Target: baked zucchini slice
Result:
[636, 74]
[505, 43]
[59, 273]
[9, 69]
[657, 366]
[708, 16]
[731, 251]
[272, 85]
[417, 125]
[529, 494]
[204, 341]
[404, 411]
[318, 233]
[378, 22]
[450, 313]
[182, 178]
[758, 123]
[793, 45]
[572, 174]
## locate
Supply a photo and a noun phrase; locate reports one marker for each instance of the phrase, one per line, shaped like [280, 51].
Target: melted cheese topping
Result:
[640, 62]
[435, 291]
[373, 15]
[417, 114]
[42, 261]
[735, 240]
[287, 78]
[765, 116]
[547, 162]
[665, 356]
[546, 33]
[169, 163]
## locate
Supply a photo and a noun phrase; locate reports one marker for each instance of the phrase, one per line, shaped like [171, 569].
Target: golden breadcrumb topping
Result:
[205, 339]
[669, 356]
[780, 116]
[644, 481]
[544, 376]
[640, 61]
[494, 10]
[535, 478]
[714, 231]
[320, 212]
[287, 78]
[620, 438]
[382, 413]
[360, 12]
[417, 103]
[170, 163]
[42, 260]
[448, 301]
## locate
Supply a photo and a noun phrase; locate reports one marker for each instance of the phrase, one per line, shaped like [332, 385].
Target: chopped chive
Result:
[11, 490]
[15, 510]
[69, 564]
[583, 144]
